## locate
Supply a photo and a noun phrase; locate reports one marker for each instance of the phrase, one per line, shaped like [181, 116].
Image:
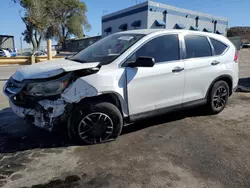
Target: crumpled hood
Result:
[50, 68]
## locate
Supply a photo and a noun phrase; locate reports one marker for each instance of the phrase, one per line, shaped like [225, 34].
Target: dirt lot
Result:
[186, 149]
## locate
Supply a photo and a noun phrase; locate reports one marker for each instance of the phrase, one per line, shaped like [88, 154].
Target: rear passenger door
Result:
[202, 66]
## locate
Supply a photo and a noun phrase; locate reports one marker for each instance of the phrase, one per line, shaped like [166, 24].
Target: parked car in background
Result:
[40, 54]
[123, 78]
[13, 52]
[36, 54]
[4, 53]
[245, 45]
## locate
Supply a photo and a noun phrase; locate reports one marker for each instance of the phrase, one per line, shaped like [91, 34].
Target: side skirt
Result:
[162, 111]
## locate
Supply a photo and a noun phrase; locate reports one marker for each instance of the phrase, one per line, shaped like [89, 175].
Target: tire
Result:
[95, 123]
[218, 97]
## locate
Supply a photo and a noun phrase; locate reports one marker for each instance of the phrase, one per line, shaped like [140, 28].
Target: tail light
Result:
[236, 56]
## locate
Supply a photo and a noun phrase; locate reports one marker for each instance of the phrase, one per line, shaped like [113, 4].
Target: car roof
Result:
[150, 31]
[166, 31]
[141, 31]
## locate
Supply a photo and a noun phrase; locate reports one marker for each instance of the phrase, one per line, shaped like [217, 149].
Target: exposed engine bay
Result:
[46, 102]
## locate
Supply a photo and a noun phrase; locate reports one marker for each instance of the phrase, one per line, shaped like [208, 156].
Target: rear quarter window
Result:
[219, 47]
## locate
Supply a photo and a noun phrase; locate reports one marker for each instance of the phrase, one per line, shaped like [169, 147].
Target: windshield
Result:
[107, 49]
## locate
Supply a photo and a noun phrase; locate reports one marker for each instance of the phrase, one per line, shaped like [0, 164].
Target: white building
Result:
[156, 15]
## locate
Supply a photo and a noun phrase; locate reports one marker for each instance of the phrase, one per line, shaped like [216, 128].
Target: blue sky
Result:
[237, 11]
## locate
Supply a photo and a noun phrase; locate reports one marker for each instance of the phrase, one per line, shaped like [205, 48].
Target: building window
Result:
[160, 23]
[193, 28]
[179, 26]
[123, 27]
[208, 30]
[218, 32]
[136, 24]
[108, 30]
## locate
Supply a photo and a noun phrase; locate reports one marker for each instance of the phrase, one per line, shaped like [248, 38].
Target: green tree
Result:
[36, 21]
[58, 19]
[69, 19]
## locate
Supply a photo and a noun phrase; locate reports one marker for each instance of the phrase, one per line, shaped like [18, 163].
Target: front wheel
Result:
[95, 123]
[218, 97]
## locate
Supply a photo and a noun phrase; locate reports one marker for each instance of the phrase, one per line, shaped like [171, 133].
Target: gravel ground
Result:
[186, 149]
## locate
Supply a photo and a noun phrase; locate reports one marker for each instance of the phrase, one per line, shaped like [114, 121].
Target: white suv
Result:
[125, 77]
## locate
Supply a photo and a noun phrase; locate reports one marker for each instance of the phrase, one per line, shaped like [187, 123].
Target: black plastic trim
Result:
[162, 111]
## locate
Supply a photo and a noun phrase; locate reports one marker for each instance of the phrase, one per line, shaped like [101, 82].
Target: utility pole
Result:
[21, 43]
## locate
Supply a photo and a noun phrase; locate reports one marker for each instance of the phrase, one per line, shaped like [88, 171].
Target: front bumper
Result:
[42, 113]
[46, 114]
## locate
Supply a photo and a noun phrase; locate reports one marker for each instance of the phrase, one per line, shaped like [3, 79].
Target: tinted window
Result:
[162, 49]
[197, 46]
[219, 47]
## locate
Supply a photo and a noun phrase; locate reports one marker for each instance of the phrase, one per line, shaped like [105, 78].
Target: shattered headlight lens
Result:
[49, 88]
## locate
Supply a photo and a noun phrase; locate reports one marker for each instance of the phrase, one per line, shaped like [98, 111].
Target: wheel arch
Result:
[227, 78]
[112, 97]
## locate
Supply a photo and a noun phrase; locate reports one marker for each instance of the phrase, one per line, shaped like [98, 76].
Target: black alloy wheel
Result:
[95, 128]
[218, 97]
[96, 123]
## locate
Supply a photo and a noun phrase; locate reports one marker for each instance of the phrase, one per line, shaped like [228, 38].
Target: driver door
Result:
[156, 88]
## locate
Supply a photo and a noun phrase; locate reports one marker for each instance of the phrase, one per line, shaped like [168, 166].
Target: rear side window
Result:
[197, 46]
[219, 47]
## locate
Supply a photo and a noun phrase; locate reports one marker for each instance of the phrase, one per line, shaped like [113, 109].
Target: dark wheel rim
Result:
[95, 128]
[220, 98]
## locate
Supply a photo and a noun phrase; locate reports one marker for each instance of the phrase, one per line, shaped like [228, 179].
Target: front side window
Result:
[219, 47]
[162, 49]
[197, 46]
[108, 49]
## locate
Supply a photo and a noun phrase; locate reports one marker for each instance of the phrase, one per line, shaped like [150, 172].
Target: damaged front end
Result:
[40, 101]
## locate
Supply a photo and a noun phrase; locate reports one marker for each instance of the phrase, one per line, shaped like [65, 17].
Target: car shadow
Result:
[16, 135]
[244, 85]
[166, 118]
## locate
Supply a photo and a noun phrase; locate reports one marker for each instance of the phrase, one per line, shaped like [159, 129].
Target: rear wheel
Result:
[96, 123]
[218, 97]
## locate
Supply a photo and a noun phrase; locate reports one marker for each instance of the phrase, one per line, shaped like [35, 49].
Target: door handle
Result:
[215, 62]
[177, 69]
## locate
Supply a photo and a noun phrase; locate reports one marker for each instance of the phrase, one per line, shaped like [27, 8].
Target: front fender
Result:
[79, 90]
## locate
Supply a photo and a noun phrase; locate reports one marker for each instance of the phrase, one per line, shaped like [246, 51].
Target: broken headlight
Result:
[48, 88]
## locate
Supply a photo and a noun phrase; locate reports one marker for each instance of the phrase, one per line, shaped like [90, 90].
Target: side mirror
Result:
[143, 62]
